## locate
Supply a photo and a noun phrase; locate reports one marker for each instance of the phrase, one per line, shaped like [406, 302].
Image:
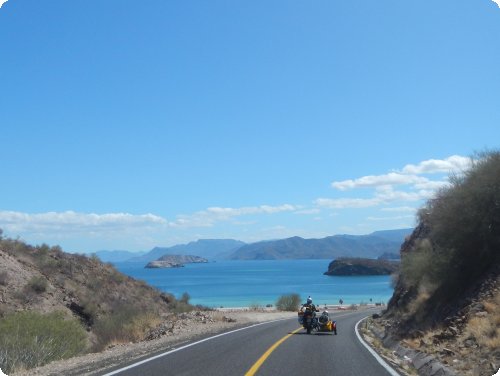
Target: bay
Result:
[261, 282]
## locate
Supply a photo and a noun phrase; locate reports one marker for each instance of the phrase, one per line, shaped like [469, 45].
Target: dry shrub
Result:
[31, 339]
[142, 324]
[288, 302]
[486, 329]
[126, 324]
[37, 285]
[219, 316]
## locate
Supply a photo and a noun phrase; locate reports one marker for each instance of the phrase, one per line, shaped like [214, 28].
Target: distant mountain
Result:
[398, 235]
[211, 249]
[368, 246]
[116, 256]
[389, 256]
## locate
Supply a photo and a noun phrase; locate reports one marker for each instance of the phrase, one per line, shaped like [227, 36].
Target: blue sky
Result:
[128, 125]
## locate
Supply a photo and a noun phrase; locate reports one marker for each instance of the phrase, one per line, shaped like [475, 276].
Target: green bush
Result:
[30, 339]
[465, 223]
[289, 302]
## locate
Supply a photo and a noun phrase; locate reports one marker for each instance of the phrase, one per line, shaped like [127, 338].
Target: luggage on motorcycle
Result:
[301, 317]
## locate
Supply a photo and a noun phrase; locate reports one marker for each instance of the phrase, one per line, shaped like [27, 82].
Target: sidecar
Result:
[320, 324]
[325, 324]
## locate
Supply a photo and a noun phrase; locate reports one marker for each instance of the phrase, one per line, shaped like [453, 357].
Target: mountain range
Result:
[331, 247]
[212, 249]
[370, 246]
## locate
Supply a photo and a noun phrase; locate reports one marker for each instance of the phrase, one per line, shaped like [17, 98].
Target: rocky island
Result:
[361, 266]
[174, 261]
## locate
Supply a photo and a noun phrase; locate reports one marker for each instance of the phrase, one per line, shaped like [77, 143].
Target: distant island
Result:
[175, 261]
[361, 266]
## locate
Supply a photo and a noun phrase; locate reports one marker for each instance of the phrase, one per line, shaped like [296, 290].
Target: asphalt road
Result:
[280, 348]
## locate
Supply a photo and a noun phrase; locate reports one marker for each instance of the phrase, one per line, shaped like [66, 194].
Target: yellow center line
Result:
[252, 371]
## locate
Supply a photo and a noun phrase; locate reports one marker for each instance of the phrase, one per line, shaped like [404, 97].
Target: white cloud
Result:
[400, 209]
[70, 221]
[497, 2]
[342, 203]
[212, 215]
[455, 163]
[392, 178]
[397, 218]
[308, 211]
[2, 2]
[412, 186]
[409, 175]
[387, 194]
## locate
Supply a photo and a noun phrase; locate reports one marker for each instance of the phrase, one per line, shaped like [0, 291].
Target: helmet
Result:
[309, 300]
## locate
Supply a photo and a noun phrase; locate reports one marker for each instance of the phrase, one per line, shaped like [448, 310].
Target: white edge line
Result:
[382, 362]
[186, 346]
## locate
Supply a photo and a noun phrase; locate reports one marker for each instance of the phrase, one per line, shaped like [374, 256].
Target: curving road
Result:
[272, 349]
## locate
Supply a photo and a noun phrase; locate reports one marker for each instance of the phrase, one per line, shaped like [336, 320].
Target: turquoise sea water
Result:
[245, 283]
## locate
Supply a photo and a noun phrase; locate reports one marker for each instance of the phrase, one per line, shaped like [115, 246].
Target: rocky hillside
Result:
[42, 284]
[447, 297]
[361, 266]
[175, 261]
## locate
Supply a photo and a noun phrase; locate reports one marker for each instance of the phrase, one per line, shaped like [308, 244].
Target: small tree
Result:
[185, 298]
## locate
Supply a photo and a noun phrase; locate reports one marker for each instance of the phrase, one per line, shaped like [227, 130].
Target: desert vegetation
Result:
[59, 305]
[462, 240]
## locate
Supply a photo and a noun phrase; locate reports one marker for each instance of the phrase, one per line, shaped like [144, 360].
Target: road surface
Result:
[272, 349]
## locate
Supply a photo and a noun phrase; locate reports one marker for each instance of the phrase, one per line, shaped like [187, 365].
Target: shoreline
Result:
[333, 307]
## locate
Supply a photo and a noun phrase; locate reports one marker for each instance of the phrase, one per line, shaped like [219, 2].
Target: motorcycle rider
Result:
[309, 313]
[309, 306]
